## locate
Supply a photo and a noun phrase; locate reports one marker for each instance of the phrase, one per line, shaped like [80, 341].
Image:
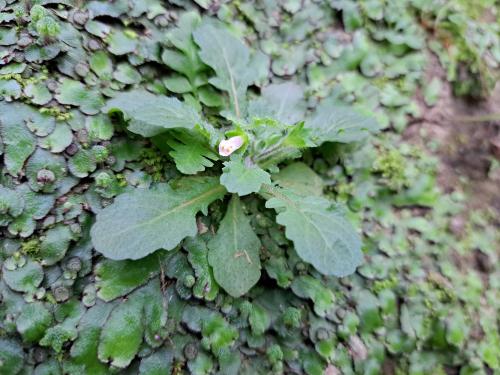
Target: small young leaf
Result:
[142, 221]
[33, 321]
[121, 336]
[36, 206]
[234, 252]
[158, 363]
[205, 285]
[150, 114]
[320, 233]
[123, 332]
[55, 244]
[117, 278]
[11, 355]
[84, 349]
[243, 179]
[259, 319]
[76, 93]
[187, 62]
[308, 287]
[24, 279]
[18, 141]
[191, 153]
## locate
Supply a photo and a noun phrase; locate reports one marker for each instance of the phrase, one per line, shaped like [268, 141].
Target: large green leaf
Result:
[321, 234]
[230, 58]
[243, 178]
[334, 122]
[188, 62]
[234, 252]
[150, 114]
[142, 221]
[283, 102]
[299, 178]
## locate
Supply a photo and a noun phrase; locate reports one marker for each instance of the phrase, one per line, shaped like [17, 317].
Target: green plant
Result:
[261, 134]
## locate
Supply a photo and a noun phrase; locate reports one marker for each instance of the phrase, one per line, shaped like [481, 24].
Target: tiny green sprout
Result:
[292, 317]
[31, 247]
[274, 353]
[101, 153]
[48, 27]
[246, 307]
[103, 179]
[392, 166]
[189, 281]
[37, 12]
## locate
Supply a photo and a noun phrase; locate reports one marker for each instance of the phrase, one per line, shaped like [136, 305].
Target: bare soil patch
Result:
[466, 149]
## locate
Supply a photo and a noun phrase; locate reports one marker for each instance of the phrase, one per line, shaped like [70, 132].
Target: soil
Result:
[466, 149]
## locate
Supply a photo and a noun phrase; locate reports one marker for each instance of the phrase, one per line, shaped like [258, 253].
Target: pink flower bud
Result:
[228, 146]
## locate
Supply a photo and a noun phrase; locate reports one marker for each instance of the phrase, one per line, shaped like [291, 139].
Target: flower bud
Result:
[228, 146]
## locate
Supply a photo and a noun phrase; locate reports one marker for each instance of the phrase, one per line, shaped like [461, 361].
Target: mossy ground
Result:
[424, 192]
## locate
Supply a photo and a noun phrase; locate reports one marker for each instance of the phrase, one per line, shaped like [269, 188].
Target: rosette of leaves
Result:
[273, 131]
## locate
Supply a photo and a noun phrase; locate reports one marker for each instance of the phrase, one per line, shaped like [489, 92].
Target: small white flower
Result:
[228, 146]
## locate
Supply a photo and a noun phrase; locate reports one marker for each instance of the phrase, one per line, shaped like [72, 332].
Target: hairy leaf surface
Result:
[142, 221]
[234, 252]
[191, 153]
[321, 234]
[243, 179]
[283, 102]
[335, 122]
[230, 58]
[150, 114]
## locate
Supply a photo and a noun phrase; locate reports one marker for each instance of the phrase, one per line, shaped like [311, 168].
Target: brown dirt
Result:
[465, 149]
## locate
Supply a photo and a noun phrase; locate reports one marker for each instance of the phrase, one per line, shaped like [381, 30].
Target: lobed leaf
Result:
[191, 153]
[243, 179]
[321, 234]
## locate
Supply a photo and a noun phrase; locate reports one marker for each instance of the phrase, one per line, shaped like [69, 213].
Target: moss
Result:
[31, 247]
[391, 165]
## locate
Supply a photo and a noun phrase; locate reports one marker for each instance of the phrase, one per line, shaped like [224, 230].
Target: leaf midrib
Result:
[231, 77]
[172, 210]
